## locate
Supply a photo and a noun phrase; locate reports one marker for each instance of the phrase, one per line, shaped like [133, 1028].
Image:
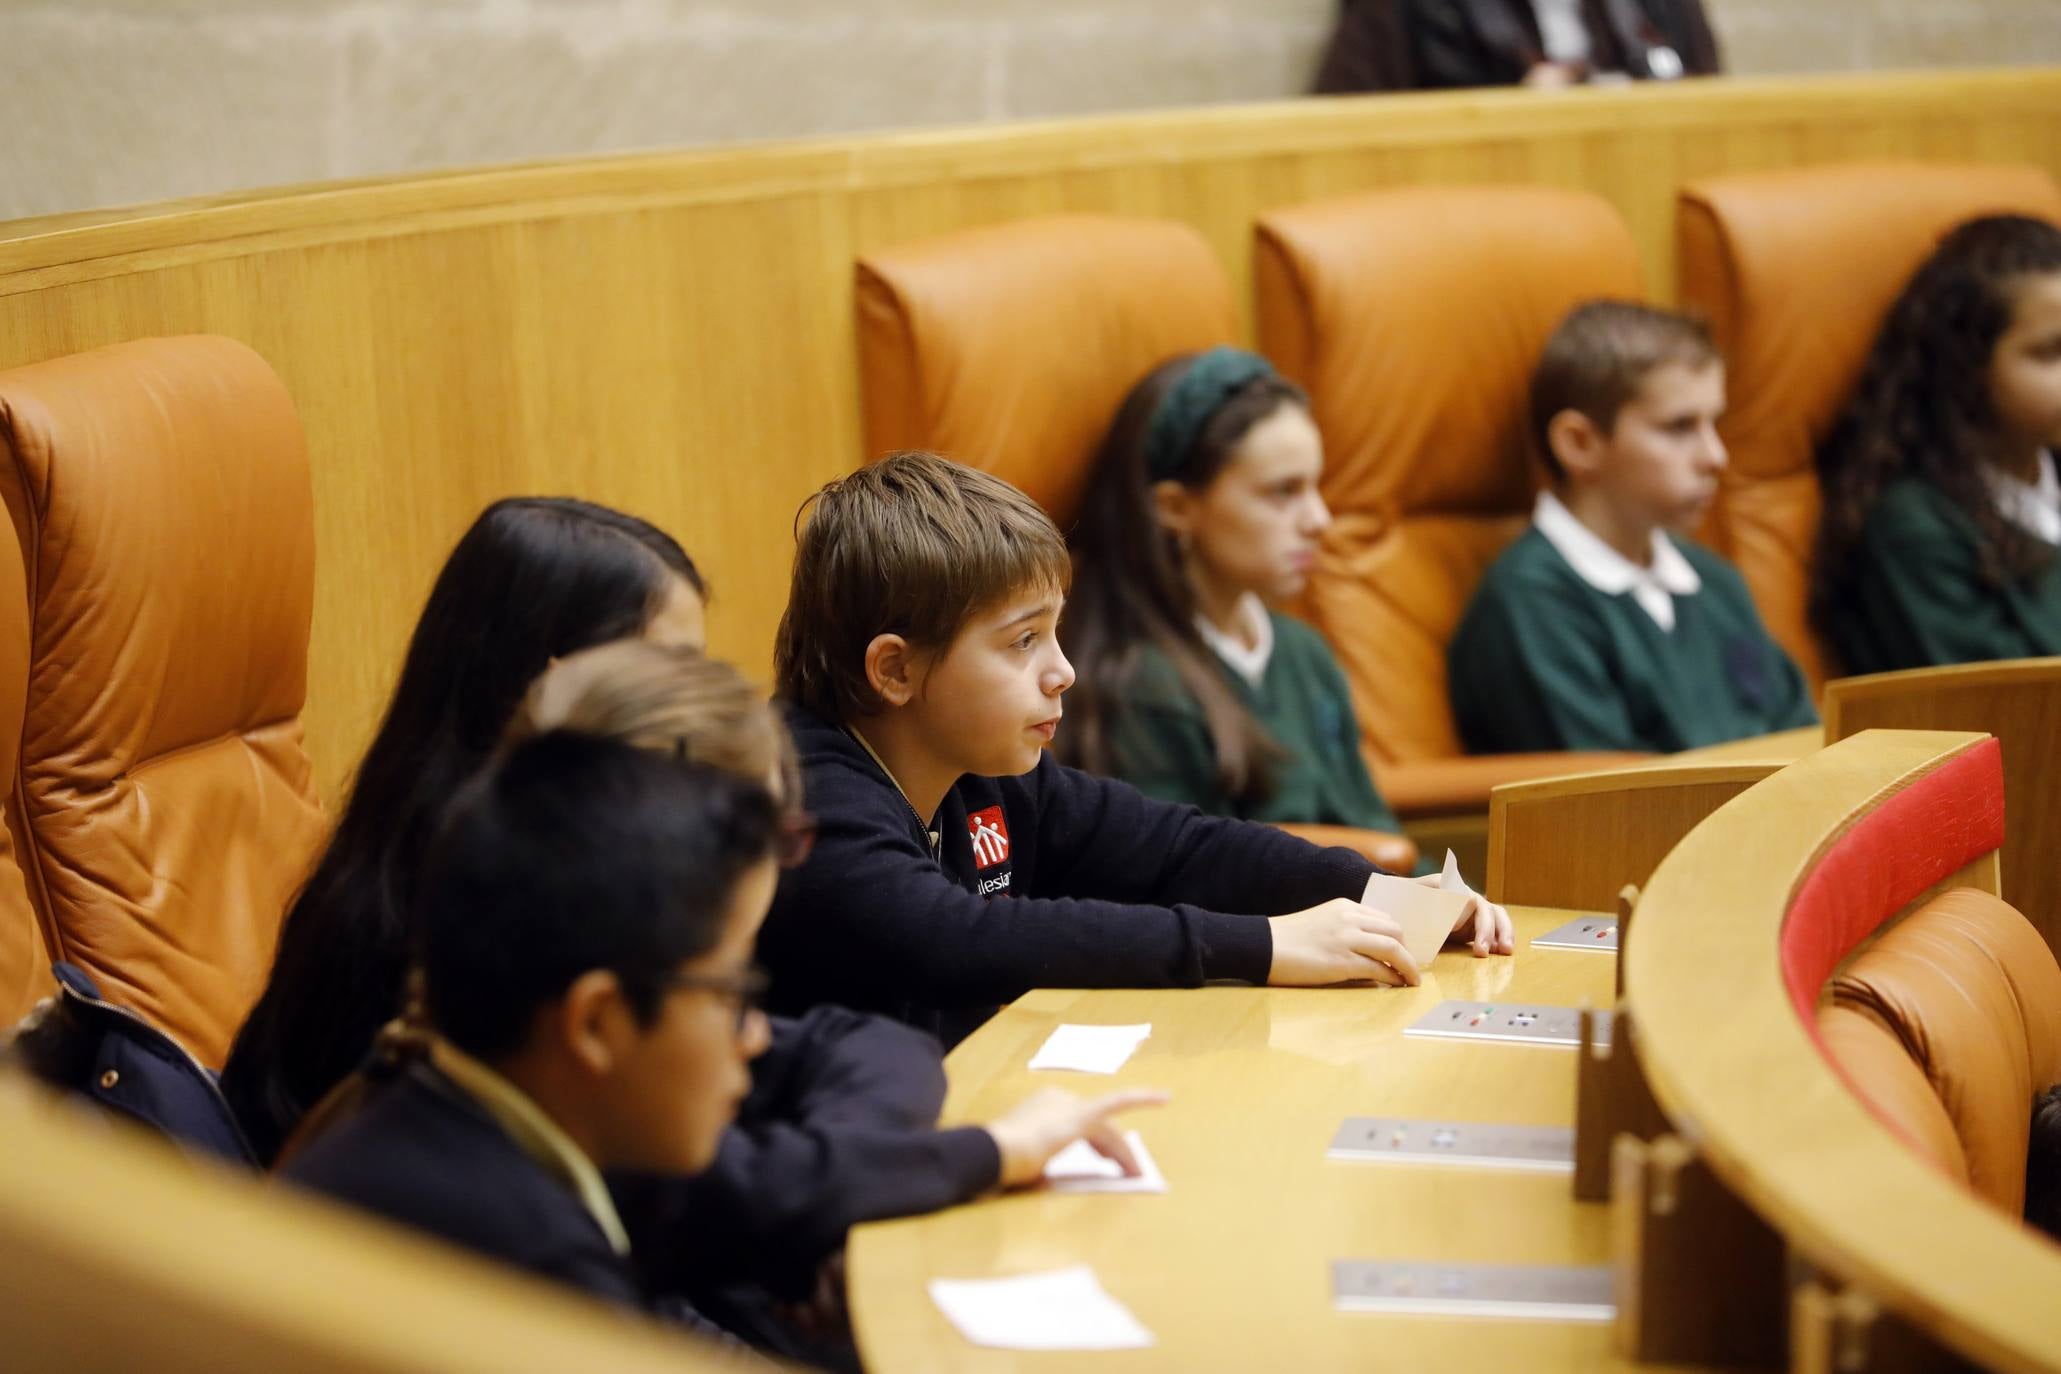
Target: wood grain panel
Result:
[673, 333]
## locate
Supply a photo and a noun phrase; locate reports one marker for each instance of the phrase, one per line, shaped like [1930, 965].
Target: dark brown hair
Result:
[1598, 357]
[1923, 409]
[1131, 589]
[914, 545]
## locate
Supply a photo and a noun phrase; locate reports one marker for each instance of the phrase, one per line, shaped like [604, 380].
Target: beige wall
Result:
[107, 102]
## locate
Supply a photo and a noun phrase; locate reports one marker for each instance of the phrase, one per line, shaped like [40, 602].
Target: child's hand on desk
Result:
[1339, 942]
[1048, 1121]
[1483, 925]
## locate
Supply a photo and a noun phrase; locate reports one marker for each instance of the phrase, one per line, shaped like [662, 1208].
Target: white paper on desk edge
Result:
[1080, 1168]
[1061, 1309]
[1090, 1049]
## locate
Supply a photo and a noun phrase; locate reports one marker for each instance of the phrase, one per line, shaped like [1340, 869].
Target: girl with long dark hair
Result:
[1202, 508]
[1942, 516]
[533, 579]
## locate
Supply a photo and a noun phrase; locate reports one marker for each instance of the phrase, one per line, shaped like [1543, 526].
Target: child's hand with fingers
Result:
[1483, 925]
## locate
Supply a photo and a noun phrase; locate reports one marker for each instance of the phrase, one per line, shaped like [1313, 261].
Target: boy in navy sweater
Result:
[956, 865]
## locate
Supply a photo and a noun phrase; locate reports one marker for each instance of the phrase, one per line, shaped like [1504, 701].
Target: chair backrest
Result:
[160, 493]
[1009, 347]
[1974, 996]
[1414, 318]
[24, 954]
[1795, 270]
[2020, 703]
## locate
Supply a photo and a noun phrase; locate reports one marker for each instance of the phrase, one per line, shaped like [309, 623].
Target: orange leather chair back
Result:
[1414, 318]
[1010, 347]
[160, 493]
[1873, 1059]
[1796, 270]
[1974, 994]
[24, 955]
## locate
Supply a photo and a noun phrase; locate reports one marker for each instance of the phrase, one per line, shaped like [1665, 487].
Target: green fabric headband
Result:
[1187, 405]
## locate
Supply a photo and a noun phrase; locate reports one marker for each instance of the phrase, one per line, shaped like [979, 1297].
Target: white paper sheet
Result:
[1080, 1169]
[1090, 1049]
[1065, 1309]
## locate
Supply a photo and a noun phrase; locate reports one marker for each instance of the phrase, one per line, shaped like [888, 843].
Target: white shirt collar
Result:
[2032, 506]
[1610, 572]
[1248, 663]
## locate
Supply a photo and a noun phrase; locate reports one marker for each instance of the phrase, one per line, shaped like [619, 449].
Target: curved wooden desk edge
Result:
[119, 1253]
[1765, 1108]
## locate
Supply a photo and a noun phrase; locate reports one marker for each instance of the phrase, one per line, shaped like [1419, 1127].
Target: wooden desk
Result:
[1782, 747]
[1231, 1268]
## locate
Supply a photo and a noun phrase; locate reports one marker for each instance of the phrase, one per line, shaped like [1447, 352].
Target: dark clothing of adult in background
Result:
[1389, 45]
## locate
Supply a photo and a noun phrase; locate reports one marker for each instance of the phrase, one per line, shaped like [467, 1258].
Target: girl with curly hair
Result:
[1942, 518]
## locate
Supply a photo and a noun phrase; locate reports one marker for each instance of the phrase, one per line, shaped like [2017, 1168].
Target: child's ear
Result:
[594, 1022]
[891, 669]
[1174, 504]
[1578, 444]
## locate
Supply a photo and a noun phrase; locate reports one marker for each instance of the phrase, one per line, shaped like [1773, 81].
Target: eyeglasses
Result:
[748, 988]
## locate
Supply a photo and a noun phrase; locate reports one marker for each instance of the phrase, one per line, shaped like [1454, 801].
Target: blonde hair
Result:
[668, 699]
[915, 545]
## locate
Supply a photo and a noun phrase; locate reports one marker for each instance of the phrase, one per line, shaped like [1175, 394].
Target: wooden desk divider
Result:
[1700, 1278]
[1835, 1330]
[1610, 1093]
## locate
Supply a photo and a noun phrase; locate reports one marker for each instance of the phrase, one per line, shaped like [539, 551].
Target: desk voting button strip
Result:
[1471, 1144]
[1515, 1023]
[1542, 1292]
[1591, 932]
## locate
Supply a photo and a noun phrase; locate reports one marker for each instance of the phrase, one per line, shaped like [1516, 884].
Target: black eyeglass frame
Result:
[747, 988]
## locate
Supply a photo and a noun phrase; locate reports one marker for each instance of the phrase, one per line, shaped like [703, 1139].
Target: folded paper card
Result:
[1079, 1168]
[1065, 1309]
[1426, 914]
[1089, 1049]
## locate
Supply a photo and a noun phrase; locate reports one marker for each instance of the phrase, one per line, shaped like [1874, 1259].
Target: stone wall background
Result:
[109, 102]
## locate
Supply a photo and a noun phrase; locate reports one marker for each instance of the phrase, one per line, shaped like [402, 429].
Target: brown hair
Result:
[1922, 407]
[1596, 360]
[668, 699]
[1131, 587]
[914, 545]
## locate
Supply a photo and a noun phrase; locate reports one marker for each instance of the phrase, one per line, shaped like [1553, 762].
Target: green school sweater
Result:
[1161, 742]
[1920, 599]
[1542, 661]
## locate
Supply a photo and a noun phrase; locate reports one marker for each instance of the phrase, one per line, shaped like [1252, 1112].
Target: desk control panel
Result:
[1591, 932]
[1467, 1144]
[1540, 1292]
[1515, 1023]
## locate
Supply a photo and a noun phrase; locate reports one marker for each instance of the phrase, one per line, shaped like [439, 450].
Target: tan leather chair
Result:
[24, 956]
[1010, 347]
[1795, 270]
[2018, 701]
[1414, 318]
[1974, 996]
[160, 493]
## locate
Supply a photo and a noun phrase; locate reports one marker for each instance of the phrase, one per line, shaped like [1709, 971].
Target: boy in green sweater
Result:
[1601, 628]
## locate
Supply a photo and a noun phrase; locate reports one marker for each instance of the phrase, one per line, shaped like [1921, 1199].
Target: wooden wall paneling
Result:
[673, 332]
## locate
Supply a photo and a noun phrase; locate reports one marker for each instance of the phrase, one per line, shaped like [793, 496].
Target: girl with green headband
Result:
[1203, 508]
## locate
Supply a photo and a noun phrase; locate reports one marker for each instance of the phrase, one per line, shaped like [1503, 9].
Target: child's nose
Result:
[1715, 456]
[1317, 516]
[1060, 676]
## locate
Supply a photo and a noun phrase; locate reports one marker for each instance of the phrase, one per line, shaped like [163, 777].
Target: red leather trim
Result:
[1915, 838]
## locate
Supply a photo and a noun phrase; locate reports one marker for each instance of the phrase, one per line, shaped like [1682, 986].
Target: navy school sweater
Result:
[1053, 879]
